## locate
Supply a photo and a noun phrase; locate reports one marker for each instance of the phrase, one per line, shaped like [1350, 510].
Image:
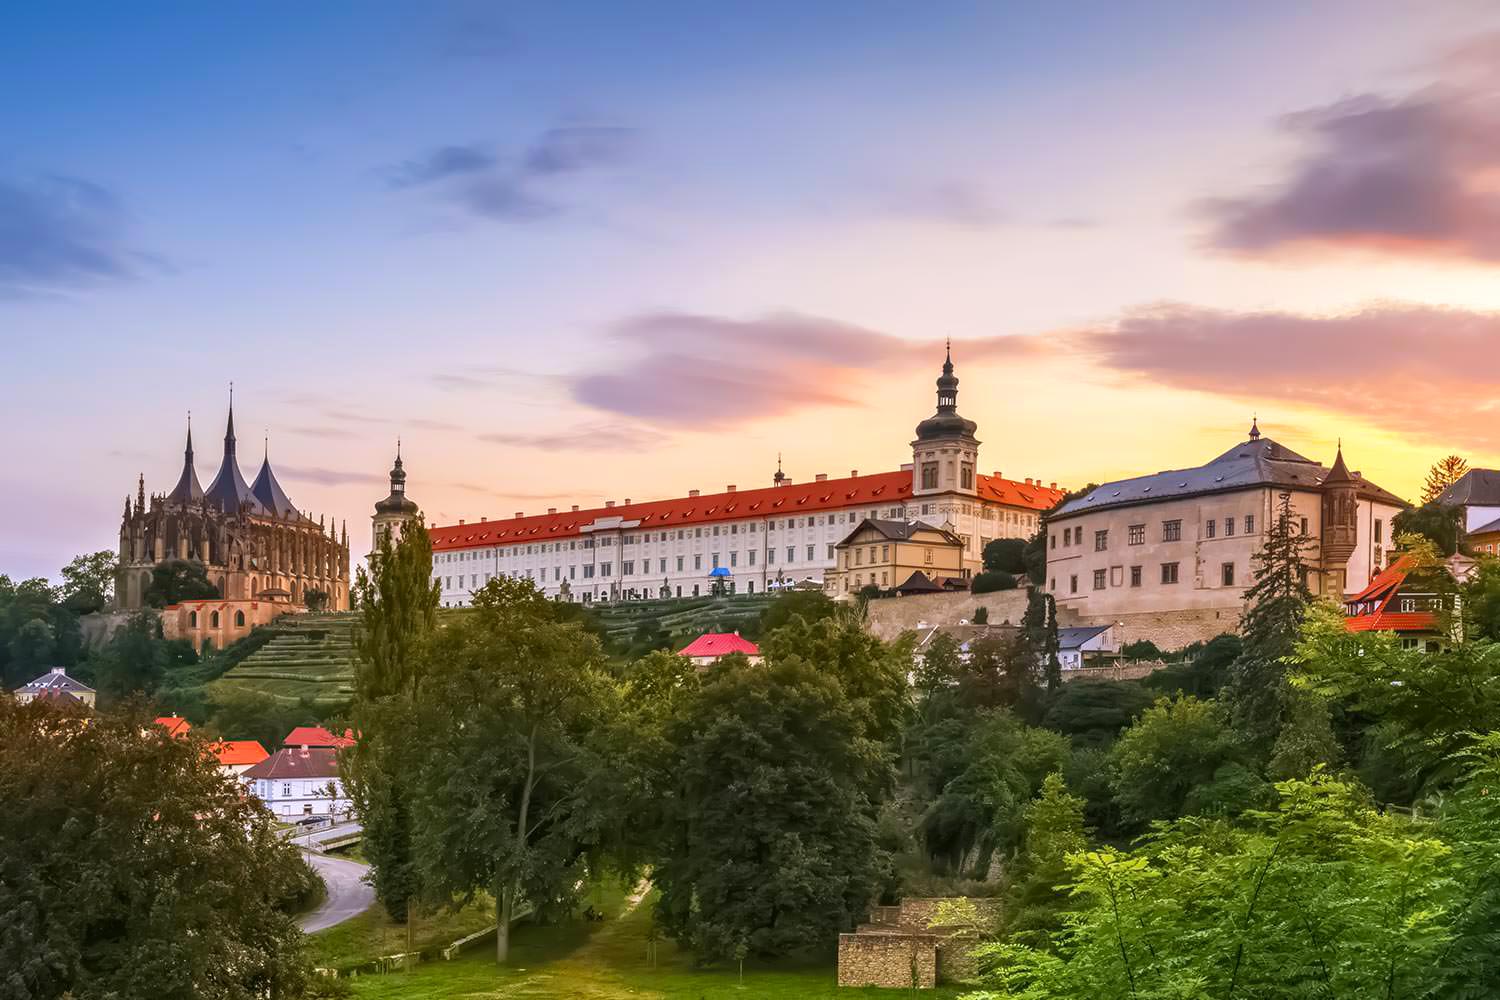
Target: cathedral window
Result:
[213, 620]
[239, 619]
[929, 475]
[192, 619]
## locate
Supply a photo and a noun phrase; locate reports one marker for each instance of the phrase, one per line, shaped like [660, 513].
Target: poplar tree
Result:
[397, 600]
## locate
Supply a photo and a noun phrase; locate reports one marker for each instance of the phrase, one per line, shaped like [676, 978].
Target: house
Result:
[964, 635]
[710, 646]
[317, 736]
[235, 757]
[56, 685]
[1477, 494]
[299, 782]
[176, 727]
[884, 554]
[1400, 601]
[1086, 645]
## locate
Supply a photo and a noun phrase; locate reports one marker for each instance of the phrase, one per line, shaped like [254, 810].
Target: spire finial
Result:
[266, 442]
[1254, 427]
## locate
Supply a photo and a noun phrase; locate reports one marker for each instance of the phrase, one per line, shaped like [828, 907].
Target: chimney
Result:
[1052, 486]
[1028, 480]
[460, 520]
[997, 474]
[692, 493]
[853, 473]
[575, 508]
[627, 501]
[520, 513]
[552, 510]
[609, 503]
[821, 477]
[729, 488]
[482, 519]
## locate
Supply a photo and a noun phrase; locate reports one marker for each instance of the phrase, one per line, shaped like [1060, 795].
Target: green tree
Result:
[769, 836]
[1094, 713]
[1442, 525]
[135, 660]
[871, 673]
[1180, 757]
[32, 647]
[514, 783]
[178, 580]
[1481, 602]
[1005, 555]
[1039, 627]
[1274, 607]
[1443, 474]
[20, 604]
[142, 872]
[1035, 557]
[1203, 673]
[809, 605]
[991, 581]
[89, 581]
[246, 715]
[1036, 895]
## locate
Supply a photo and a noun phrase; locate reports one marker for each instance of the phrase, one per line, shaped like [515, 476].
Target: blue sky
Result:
[581, 251]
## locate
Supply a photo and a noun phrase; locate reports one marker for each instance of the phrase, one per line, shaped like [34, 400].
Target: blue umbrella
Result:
[719, 571]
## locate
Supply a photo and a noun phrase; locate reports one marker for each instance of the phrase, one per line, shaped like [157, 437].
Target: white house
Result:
[299, 781]
[1078, 646]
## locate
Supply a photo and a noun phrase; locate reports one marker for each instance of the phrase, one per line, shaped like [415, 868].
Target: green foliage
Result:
[1204, 671]
[1481, 602]
[1093, 713]
[1054, 830]
[981, 615]
[178, 580]
[1039, 629]
[1306, 741]
[398, 604]
[244, 715]
[129, 867]
[32, 646]
[1443, 526]
[1176, 760]
[1141, 649]
[870, 673]
[89, 581]
[24, 657]
[1005, 555]
[769, 838]
[809, 605]
[136, 658]
[315, 599]
[991, 581]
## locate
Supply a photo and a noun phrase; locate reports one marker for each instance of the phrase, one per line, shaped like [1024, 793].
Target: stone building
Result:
[886, 553]
[782, 534]
[395, 512]
[250, 539]
[1178, 548]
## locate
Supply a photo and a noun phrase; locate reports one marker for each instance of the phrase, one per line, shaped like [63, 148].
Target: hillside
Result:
[308, 656]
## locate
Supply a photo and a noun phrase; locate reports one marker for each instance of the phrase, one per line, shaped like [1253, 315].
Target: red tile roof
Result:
[772, 501]
[235, 752]
[1381, 591]
[317, 736]
[719, 644]
[317, 762]
[174, 725]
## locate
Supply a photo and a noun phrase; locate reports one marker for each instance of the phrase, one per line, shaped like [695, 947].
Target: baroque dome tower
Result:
[945, 452]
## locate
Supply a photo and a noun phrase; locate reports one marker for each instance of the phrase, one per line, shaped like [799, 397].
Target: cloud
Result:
[439, 164]
[1416, 176]
[336, 433]
[1417, 370]
[584, 437]
[517, 188]
[61, 232]
[327, 477]
[956, 203]
[711, 371]
[447, 380]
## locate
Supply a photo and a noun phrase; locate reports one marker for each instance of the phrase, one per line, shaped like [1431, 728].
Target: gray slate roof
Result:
[1480, 487]
[899, 531]
[1076, 636]
[1485, 529]
[1262, 462]
[56, 679]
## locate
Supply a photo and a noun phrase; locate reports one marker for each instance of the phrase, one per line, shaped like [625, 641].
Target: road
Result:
[348, 894]
[325, 835]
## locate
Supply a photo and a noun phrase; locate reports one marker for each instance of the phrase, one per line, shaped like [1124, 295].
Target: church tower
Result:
[945, 453]
[1340, 516]
[394, 512]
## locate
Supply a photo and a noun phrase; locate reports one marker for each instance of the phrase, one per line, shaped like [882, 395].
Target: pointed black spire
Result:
[1254, 428]
[187, 490]
[1340, 472]
[229, 490]
[780, 477]
[268, 491]
[946, 422]
[229, 427]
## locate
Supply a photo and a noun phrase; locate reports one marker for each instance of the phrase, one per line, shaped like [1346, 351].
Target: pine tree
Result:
[398, 601]
[1274, 608]
[1442, 475]
[1039, 626]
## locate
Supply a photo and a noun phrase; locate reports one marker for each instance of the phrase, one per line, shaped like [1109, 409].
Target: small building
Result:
[318, 736]
[1087, 645]
[294, 783]
[1397, 602]
[1477, 495]
[56, 685]
[709, 647]
[885, 554]
[235, 757]
[214, 624]
[1485, 538]
[176, 726]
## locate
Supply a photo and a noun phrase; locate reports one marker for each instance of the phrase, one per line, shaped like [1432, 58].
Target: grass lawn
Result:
[373, 934]
[608, 962]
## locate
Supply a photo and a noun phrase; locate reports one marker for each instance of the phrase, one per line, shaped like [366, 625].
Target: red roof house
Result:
[1390, 604]
[317, 736]
[237, 756]
[709, 646]
[175, 726]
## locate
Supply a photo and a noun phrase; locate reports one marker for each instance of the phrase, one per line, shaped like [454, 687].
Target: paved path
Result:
[348, 894]
[323, 835]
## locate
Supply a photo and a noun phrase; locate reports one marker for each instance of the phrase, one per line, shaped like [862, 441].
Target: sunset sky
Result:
[571, 252]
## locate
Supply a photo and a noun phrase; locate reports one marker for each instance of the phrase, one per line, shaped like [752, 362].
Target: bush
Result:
[981, 615]
[1005, 555]
[1141, 649]
[989, 582]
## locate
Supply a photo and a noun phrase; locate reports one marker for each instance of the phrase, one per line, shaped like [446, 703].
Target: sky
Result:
[570, 252]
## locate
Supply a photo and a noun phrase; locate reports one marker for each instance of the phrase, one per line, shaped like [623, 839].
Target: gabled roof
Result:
[1485, 529]
[232, 753]
[1253, 462]
[899, 531]
[1075, 636]
[719, 644]
[316, 762]
[1477, 487]
[1380, 593]
[317, 736]
[174, 725]
[918, 583]
[56, 679]
[879, 490]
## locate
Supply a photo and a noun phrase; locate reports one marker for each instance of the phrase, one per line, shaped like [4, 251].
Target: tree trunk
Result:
[508, 889]
[507, 903]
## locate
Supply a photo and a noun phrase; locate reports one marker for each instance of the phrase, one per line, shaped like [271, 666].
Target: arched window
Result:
[213, 620]
[239, 619]
[192, 619]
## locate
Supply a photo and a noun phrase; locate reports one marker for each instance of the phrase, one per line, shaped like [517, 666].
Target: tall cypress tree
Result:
[398, 601]
[1274, 608]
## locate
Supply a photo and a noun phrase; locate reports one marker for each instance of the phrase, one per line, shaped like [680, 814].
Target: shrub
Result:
[989, 582]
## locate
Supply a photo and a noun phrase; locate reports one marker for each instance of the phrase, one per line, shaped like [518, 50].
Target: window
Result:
[628, 567]
[1408, 604]
[239, 619]
[734, 558]
[213, 619]
[1228, 526]
[679, 564]
[1304, 525]
[1101, 540]
[791, 553]
[698, 560]
[830, 551]
[1249, 524]
[966, 476]
[1073, 584]
[604, 569]
[810, 556]
[1137, 535]
[1054, 541]
[192, 619]
[770, 557]
[1226, 574]
[715, 560]
[1171, 531]
[286, 789]
[1168, 572]
[927, 556]
[1098, 579]
[929, 475]
[1135, 576]
[751, 555]
[1379, 530]
[1209, 528]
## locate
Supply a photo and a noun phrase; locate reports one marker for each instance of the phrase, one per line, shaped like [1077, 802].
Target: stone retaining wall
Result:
[890, 616]
[886, 958]
[1168, 629]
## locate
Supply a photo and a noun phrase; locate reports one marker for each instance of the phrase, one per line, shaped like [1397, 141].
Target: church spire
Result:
[187, 491]
[947, 383]
[780, 478]
[1254, 427]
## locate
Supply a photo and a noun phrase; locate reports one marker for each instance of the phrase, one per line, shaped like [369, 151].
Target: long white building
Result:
[781, 534]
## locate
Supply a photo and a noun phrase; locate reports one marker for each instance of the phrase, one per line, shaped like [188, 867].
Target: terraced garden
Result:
[308, 657]
[684, 619]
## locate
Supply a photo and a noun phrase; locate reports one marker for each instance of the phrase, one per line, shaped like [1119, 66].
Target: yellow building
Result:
[886, 553]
